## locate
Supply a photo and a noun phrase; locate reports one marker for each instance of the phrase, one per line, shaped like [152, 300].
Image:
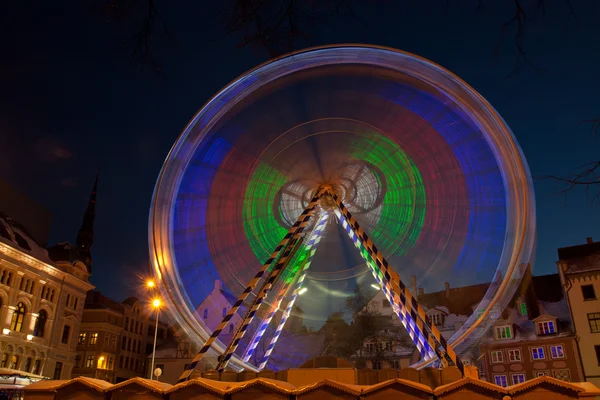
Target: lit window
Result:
[89, 362]
[81, 339]
[523, 309]
[562, 374]
[514, 355]
[546, 328]
[537, 353]
[503, 332]
[497, 357]
[557, 351]
[500, 380]
[594, 321]
[518, 378]
[588, 292]
[16, 323]
[93, 338]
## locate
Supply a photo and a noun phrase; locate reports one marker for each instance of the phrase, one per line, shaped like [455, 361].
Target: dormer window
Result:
[546, 327]
[503, 332]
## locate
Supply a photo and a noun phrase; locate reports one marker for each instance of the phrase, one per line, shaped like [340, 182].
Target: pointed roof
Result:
[85, 236]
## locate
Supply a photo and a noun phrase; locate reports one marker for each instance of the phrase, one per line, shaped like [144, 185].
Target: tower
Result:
[85, 236]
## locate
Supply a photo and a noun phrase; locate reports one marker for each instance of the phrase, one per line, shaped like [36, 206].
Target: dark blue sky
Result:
[72, 101]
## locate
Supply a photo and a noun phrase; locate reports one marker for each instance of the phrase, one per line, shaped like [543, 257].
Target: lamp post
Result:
[156, 303]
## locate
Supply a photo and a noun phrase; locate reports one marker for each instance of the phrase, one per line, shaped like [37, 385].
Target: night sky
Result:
[72, 101]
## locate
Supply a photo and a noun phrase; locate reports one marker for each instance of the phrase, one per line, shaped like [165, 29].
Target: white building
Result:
[579, 269]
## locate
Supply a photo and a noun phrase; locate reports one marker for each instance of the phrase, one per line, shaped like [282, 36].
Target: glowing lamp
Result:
[29, 337]
[5, 331]
[302, 291]
[156, 303]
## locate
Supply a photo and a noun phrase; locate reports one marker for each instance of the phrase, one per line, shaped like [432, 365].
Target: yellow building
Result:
[579, 269]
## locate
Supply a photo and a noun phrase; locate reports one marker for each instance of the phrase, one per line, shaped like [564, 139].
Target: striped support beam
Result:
[283, 244]
[310, 251]
[273, 309]
[420, 342]
[263, 293]
[400, 292]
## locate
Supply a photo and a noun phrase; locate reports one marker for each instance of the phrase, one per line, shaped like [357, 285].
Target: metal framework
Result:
[427, 338]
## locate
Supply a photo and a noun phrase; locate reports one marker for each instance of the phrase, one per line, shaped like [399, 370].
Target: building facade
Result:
[533, 336]
[115, 338]
[579, 269]
[41, 305]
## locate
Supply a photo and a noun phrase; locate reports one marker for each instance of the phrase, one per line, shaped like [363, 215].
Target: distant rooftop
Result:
[581, 258]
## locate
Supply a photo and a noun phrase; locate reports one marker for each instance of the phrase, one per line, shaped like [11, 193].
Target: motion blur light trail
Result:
[427, 166]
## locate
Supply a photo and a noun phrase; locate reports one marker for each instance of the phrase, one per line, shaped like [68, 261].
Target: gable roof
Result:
[155, 386]
[343, 387]
[469, 381]
[541, 380]
[397, 381]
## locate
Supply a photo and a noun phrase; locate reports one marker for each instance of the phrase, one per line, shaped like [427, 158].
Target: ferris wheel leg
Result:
[292, 235]
[401, 295]
[310, 252]
[423, 345]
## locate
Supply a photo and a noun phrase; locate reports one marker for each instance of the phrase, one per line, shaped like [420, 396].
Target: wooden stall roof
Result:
[414, 385]
[279, 386]
[544, 379]
[217, 387]
[469, 381]
[45, 385]
[155, 386]
[97, 384]
[344, 387]
[590, 390]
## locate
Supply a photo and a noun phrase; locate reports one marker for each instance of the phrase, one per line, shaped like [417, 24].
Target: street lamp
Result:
[150, 284]
[156, 304]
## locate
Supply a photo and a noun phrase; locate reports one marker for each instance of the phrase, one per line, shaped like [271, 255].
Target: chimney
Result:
[589, 240]
[218, 285]
[421, 291]
[413, 284]
[447, 289]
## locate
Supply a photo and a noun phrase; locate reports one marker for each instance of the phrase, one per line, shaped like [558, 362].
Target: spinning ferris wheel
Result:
[334, 168]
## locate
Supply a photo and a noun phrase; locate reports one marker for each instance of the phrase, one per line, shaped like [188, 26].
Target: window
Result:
[106, 339]
[57, 370]
[594, 321]
[497, 357]
[562, 374]
[377, 364]
[139, 344]
[503, 332]
[205, 313]
[514, 355]
[40, 324]
[537, 353]
[126, 323]
[37, 367]
[123, 343]
[89, 362]
[81, 339]
[75, 301]
[518, 378]
[30, 361]
[224, 312]
[101, 362]
[395, 363]
[110, 362]
[14, 363]
[385, 303]
[65, 334]
[68, 300]
[93, 338]
[370, 347]
[588, 292]
[597, 348]
[546, 328]
[121, 362]
[541, 373]
[523, 309]
[479, 313]
[4, 360]
[437, 319]
[231, 329]
[137, 326]
[557, 351]
[500, 380]
[16, 323]
[113, 342]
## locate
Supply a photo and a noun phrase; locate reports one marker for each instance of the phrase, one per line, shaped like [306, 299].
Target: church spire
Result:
[85, 236]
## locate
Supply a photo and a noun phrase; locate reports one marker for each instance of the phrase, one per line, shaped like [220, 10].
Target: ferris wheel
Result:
[331, 169]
